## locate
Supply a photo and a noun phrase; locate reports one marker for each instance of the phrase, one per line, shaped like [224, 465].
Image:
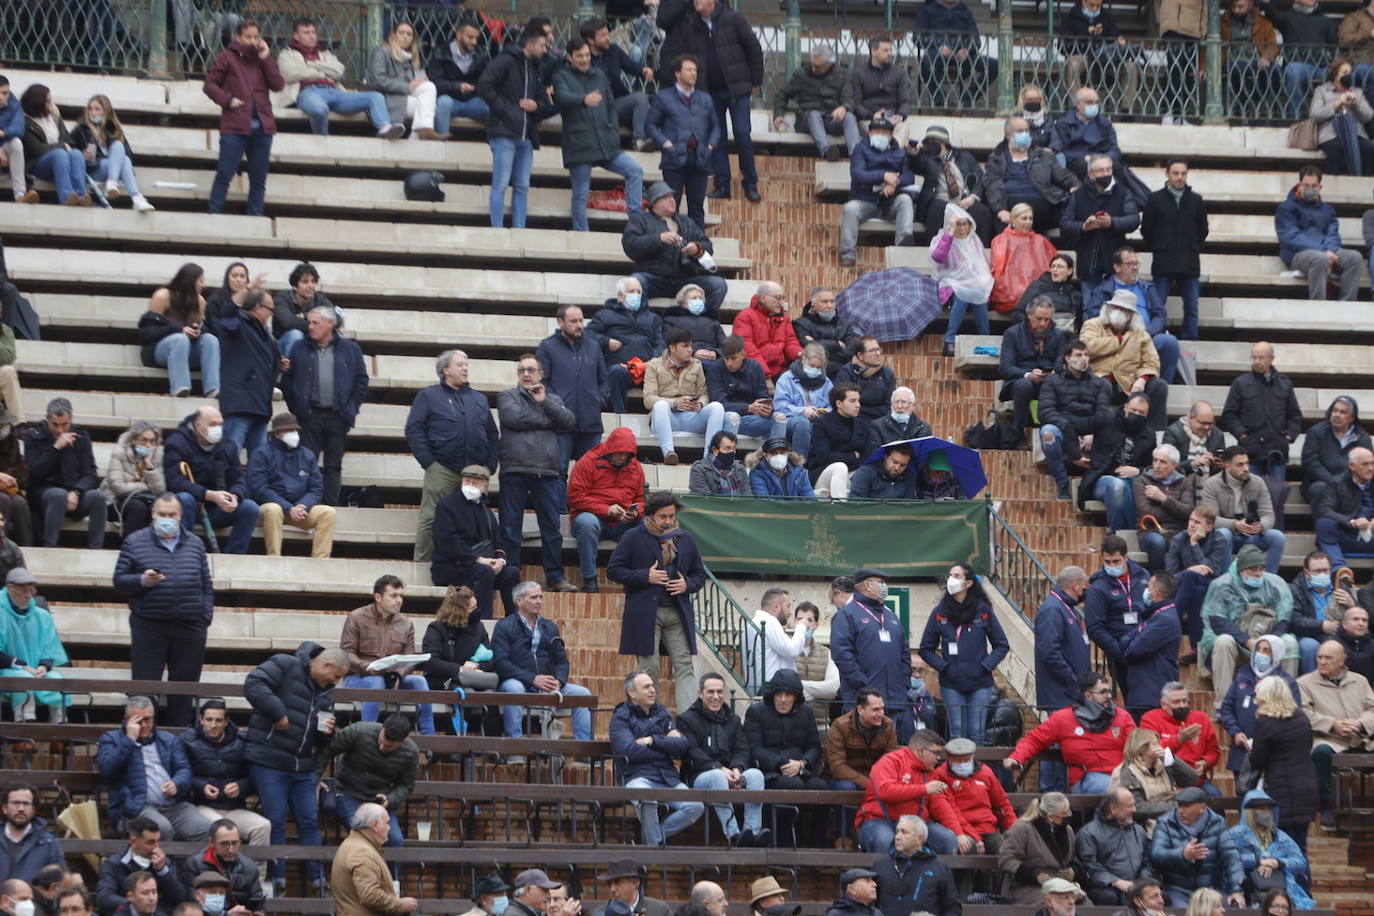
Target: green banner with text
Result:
[826, 539]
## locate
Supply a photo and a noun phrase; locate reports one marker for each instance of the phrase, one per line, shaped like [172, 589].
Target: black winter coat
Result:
[886, 429]
[590, 134]
[245, 887]
[837, 336]
[1282, 751]
[450, 648]
[443, 71]
[115, 870]
[1177, 435]
[735, 390]
[1046, 175]
[577, 374]
[914, 884]
[1095, 249]
[705, 329]
[248, 366]
[1019, 354]
[1306, 620]
[629, 565]
[640, 332]
[1323, 456]
[510, 77]
[152, 327]
[1066, 296]
[732, 42]
[1340, 502]
[836, 438]
[642, 244]
[282, 686]
[714, 740]
[70, 468]
[774, 738]
[931, 171]
[187, 593]
[463, 531]
[217, 765]
[1262, 413]
[1175, 231]
[875, 391]
[217, 469]
[1078, 405]
[1107, 444]
[617, 65]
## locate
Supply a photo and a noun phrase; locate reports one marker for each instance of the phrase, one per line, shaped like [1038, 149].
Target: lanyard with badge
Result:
[884, 635]
[1077, 617]
[1131, 617]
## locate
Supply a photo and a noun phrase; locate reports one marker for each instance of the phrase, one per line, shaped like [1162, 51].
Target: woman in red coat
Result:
[240, 81]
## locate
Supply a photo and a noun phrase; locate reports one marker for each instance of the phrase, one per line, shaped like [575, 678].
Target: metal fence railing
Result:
[1016, 572]
[728, 631]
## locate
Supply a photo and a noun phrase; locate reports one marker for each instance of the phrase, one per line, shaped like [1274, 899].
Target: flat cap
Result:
[869, 573]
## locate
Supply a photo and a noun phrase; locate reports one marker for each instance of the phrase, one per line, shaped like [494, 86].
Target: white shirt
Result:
[779, 650]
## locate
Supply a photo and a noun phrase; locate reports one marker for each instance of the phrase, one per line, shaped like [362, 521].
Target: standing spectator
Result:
[1062, 656]
[249, 367]
[1245, 513]
[857, 740]
[685, 128]
[27, 633]
[1020, 255]
[376, 631]
[530, 657]
[605, 498]
[1262, 413]
[1020, 170]
[1332, 99]
[1083, 133]
[690, 314]
[718, 473]
[911, 879]
[778, 472]
[872, 375]
[1149, 303]
[1091, 735]
[1074, 403]
[1248, 592]
[1346, 510]
[62, 476]
[396, 74]
[669, 251]
[454, 69]
[1281, 751]
[1165, 495]
[284, 480]
[1097, 218]
[1185, 732]
[1310, 238]
[1190, 848]
[449, 427]
[517, 99]
[292, 698]
[738, 383]
[631, 105]
[1120, 452]
[947, 35]
[532, 420]
[1267, 851]
[824, 96]
[878, 170]
[1114, 602]
[643, 732]
[144, 855]
[1114, 850]
[660, 567]
[372, 761]
[962, 272]
[591, 131]
[781, 732]
[29, 846]
[240, 81]
[1197, 555]
[1121, 350]
[766, 328]
[220, 782]
[1318, 605]
[842, 440]
[203, 471]
[148, 776]
[949, 176]
[964, 643]
[904, 782]
[978, 797]
[359, 879]
[1031, 350]
[676, 395]
[12, 144]
[162, 571]
[325, 385]
[777, 648]
[48, 150]
[573, 369]
[291, 307]
[134, 476]
[1037, 849]
[864, 656]
[108, 155]
[881, 87]
[313, 77]
[1312, 37]
[1174, 225]
[819, 323]
[1339, 704]
[1327, 446]
[1150, 649]
[718, 757]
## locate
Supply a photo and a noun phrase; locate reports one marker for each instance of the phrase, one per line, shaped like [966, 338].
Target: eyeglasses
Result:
[527, 370]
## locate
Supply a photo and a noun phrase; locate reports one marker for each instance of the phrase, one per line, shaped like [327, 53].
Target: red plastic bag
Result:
[612, 200]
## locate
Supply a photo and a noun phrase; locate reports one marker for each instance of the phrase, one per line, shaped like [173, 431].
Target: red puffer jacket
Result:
[1084, 751]
[768, 339]
[979, 800]
[595, 484]
[897, 786]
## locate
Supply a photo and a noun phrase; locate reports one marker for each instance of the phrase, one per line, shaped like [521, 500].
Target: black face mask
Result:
[724, 460]
[1181, 712]
[1134, 422]
[1346, 81]
[932, 149]
[1031, 107]
[1102, 181]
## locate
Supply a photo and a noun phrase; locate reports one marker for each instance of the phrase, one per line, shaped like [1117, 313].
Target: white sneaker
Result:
[277, 395]
[141, 204]
[112, 189]
[392, 131]
[1167, 120]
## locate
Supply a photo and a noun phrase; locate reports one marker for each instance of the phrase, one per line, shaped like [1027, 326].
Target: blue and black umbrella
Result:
[893, 304]
[964, 462]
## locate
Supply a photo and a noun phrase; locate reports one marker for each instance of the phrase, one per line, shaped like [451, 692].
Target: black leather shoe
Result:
[718, 193]
[752, 195]
[763, 839]
[589, 587]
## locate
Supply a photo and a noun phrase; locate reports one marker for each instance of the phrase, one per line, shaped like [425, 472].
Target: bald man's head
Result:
[1261, 357]
[1361, 464]
[1331, 658]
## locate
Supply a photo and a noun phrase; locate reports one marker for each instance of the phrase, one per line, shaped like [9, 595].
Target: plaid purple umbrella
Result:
[893, 304]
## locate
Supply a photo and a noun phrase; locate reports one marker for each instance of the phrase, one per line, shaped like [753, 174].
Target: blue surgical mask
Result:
[498, 906]
[1320, 580]
[1021, 139]
[632, 301]
[1092, 14]
[1091, 111]
[143, 451]
[962, 770]
[1252, 581]
[696, 306]
[812, 371]
[166, 526]
[214, 903]
[900, 417]
[1261, 663]
[879, 143]
[1116, 572]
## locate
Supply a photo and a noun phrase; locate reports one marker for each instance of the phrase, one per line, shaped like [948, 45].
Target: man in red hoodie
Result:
[904, 782]
[605, 498]
[767, 330]
[1187, 732]
[978, 798]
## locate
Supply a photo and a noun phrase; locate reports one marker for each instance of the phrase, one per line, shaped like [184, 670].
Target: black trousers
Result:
[483, 582]
[325, 433]
[178, 646]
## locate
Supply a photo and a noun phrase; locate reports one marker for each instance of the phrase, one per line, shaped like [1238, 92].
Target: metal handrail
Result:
[1016, 571]
[728, 631]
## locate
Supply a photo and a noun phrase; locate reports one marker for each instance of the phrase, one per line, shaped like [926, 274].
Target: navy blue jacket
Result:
[217, 469]
[652, 761]
[577, 374]
[875, 391]
[121, 769]
[866, 168]
[510, 649]
[1108, 600]
[1301, 226]
[452, 426]
[1214, 552]
[672, 119]
[861, 655]
[765, 483]
[39, 848]
[1156, 315]
[640, 332]
[282, 686]
[1075, 138]
[735, 390]
[613, 62]
[300, 383]
[111, 899]
[288, 477]
[1237, 709]
[1151, 653]
[248, 365]
[11, 120]
[186, 593]
[937, 24]
[217, 765]
[629, 565]
[973, 627]
[869, 482]
[1061, 651]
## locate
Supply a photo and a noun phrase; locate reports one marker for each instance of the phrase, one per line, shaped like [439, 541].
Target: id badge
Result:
[884, 636]
[1130, 618]
[952, 649]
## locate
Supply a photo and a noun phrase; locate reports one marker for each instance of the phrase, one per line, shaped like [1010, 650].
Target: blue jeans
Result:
[513, 716]
[1307, 654]
[632, 111]
[241, 521]
[692, 180]
[287, 342]
[180, 354]
[548, 495]
[232, 148]
[372, 711]
[1052, 445]
[1188, 290]
[618, 386]
[1297, 79]
[65, 168]
[1192, 589]
[665, 421]
[875, 836]
[575, 445]
[345, 808]
[250, 432]
[738, 108]
[1272, 541]
[957, 308]
[797, 430]
[280, 790]
[753, 813]
[1155, 547]
[446, 108]
[581, 174]
[117, 165]
[589, 530]
[511, 161]
[1054, 776]
[681, 815]
[967, 712]
[1116, 493]
[1092, 784]
[1339, 541]
[318, 101]
[1166, 345]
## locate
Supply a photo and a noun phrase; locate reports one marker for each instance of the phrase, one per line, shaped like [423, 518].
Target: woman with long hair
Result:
[1269, 857]
[48, 147]
[1036, 848]
[1151, 773]
[100, 137]
[964, 643]
[398, 74]
[173, 333]
[459, 650]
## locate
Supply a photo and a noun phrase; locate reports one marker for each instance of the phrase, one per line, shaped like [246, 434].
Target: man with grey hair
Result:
[1164, 498]
[824, 97]
[1084, 131]
[1038, 180]
[360, 879]
[1062, 655]
[1185, 732]
[63, 482]
[1031, 351]
[766, 328]
[625, 328]
[450, 426]
[911, 878]
[529, 656]
[147, 775]
[901, 421]
[643, 732]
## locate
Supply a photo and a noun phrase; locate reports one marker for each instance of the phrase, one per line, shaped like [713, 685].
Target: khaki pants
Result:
[11, 393]
[271, 517]
[668, 631]
[254, 829]
[439, 482]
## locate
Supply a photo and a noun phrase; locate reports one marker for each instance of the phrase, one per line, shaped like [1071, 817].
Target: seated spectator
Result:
[820, 677]
[985, 813]
[454, 69]
[1265, 849]
[1151, 773]
[460, 653]
[1021, 171]
[145, 855]
[1149, 299]
[803, 390]
[1097, 219]
[778, 648]
[946, 34]
[1114, 850]
[1353, 633]
[1197, 555]
[1149, 651]
[962, 272]
[48, 150]
[529, 665]
[45, 886]
[372, 760]
[284, 480]
[948, 176]
[935, 480]
[1145, 898]
[1038, 849]
[142, 897]
[780, 730]
[643, 732]
[718, 757]
[1332, 99]
[687, 135]
[858, 894]
[1074, 402]
[1098, 52]
[1310, 239]
[718, 473]
[1121, 450]
[631, 104]
[12, 144]
[911, 879]
[874, 377]
[1345, 512]
[738, 383]
[1120, 350]
[109, 158]
[1091, 735]
[1245, 513]
[1191, 849]
[1083, 133]
[467, 543]
[134, 476]
[1030, 106]
[881, 87]
[395, 72]
[819, 323]
[626, 330]
[605, 498]
[62, 478]
[1326, 448]
[777, 472]
[1249, 592]
[31, 850]
[14, 472]
[377, 631]
[488, 889]
[30, 647]
[1031, 350]
[767, 330]
[676, 395]
[901, 422]
[1173, 223]
[1250, 50]
[824, 97]
[1165, 495]
[878, 170]
[1198, 440]
[892, 477]
[241, 884]
[669, 250]
[172, 333]
[1318, 607]
[1262, 413]
[313, 78]
[1065, 294]
[221, 786]
[841, 441]
[1237, 710]
[708, 338]
[136, 759]
[964, 643]
[291, 307]
[1019, 256]
[1339, 703]
[904, 782]
[857, 740]
[197, 455]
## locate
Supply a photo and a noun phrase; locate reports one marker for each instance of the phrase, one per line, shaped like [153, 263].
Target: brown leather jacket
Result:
[850, 754]
[1262, 36]
[368, 636]
[1356, 36]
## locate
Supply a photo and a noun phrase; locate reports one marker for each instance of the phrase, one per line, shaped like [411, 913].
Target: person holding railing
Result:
[947, 35]
[1310, 38]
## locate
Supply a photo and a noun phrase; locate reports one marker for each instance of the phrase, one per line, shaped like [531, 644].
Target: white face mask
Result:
[291, 439]
[214, 434]
[23, 908]
[141, 861]
[471, 493]
[1077, 363]
[777, 462]
[1118, 318]
[954, 586]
